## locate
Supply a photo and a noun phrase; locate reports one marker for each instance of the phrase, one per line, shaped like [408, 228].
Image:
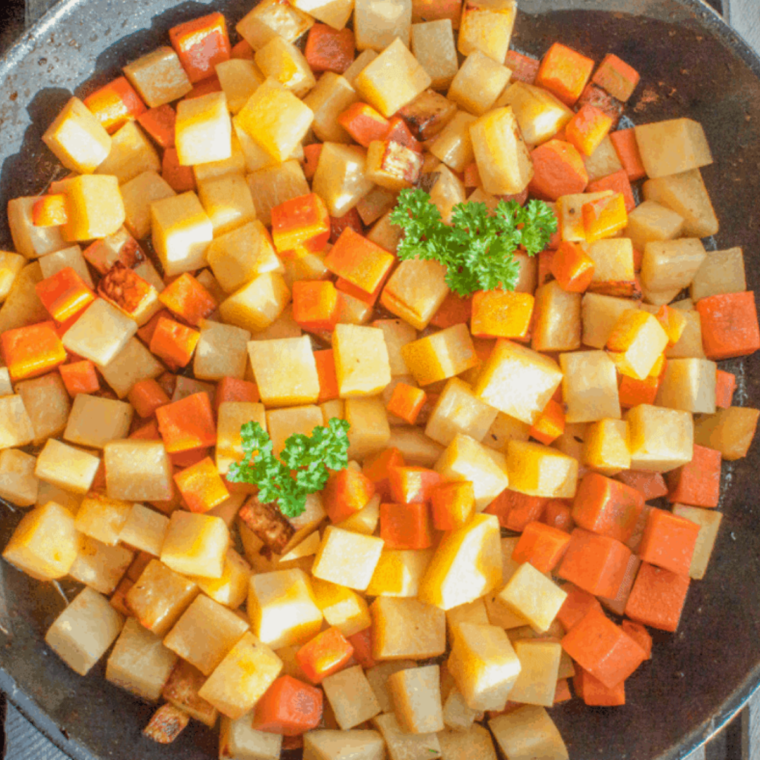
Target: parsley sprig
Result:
[477, 247]
[301, 469]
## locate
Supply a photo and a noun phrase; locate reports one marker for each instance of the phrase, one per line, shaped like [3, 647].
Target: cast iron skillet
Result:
[691, 64]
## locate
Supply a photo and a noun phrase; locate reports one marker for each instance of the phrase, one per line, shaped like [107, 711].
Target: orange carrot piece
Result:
[65, 294]
[471, 176]
[316, 305]
[146, 396]
[564, 72]
[328, 377]
[329, 49]
[627, 149]
[114, 104]
[201, 44]
[234, 389]
[572, 267]
[80, 377]
[729, 325]
[406, 526]
[595, 563]
[242, 51]
[633, 391]
[542, 546]
[651, 485]
[378, 469]
[201, 486]
[180, 178]
[545, 259]
[587, 129]
[50, 210]
[289, 707]
[118, 599]
[435, 10]
[657, 598]
[617, 603]
[311, 155]
[524, 69]
[364, 123]
[594, 693]
[173, 342]
[501, 314]
[550, 424]
[160, 124]
[302, 221]
[452, 504]
[183, 459]
[616, 77]
[360, 261]
[32, 351]
[640, 635]
[188, 299]
[601, 100]
[412, 485]
[725, 386]
[559, 515]
[346, 493]
[604, 218]
[187, 424]
[515, 510]
[147, 432]
[406, 402]
[603, 648]
[362, 644]
[327, 653]
[558, 170]
[669, 541]
[399, 132]
[577, 603]
[339, 223]
[562, 692]
[698, 482]
[618, 182]
[606, 506]
[454, 310]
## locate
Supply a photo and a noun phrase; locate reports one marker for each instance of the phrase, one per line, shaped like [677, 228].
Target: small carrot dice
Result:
[471, 176]
[339, 223]
[412, 485]
[673, 322]
[180, 178]
[607, 506]
[201, 486]
[316, 305]
[148, 432]
[577, 603]
[234, 389]
[174, 342]
[601, 100]
[32, 351]
[651, 485]
[406, 526]
[311, 155]
[370, 299]
[398, 132]
[669, 541]
[729, 325]
[289, 707]
[327, 374]
[243, 51]
[325, 654]
[364, 123]
[616, 77]
[452, 504]
[146, 396]
[329, 49]
[633, 391]
[618, 182]
[515, 510]
[627, 148]
[64, 295]
[378, 469]
[558, 169]
[587, 129]
[185, 459]
[302, 221]
[572, 267]
[639, 634]
[550, 424]
[604, 218]
[360, 261]
[188, 299]
[50, 211]
[725, 386]
[114, 104]
[124, 288]
[501, 314]
[594, 693]
[542, 546]
[362, 644]
[455, 310]
[346, 493]
[160, 124]
[80, 377]
[564, 72]
[201, 44]
[657, 598]
[406, 402]
[558, 515]
[523, 68]
[187, 424]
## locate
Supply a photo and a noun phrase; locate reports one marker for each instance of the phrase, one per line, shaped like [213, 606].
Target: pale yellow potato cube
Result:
[434, 48]
[407, 629]
[466, 741]
[297, 420]
[441, 355]
[709, 521]
[539, 668]
[102, 518]
[239, 80]
[181, 233]
[227, 510]
[672, 147]
[359, 64]
[66, 467]
[518, 381]
[415, 291]
[453, 146]
[99, 565]
[557, 319]
[232, 416]
[44, 544]
[84, 631]
[651, 221]
[306, 548]
[416, 697]
[605, 447]
[95, 207]
[138, 195]
[231, 589]
[487, 25]
[242, 677]
[399, 572]
[271, 19]
[326, 744]
[158, 77]
[342, 608]
[227, 201]
[689, 345]
[96, 421]
[347, 558]
[29, 240]
[235, 164]
[138, 471]
[539, 114]
[603, 161]
[144, 529]
[460, 719]
[688, 385]
[52, 263]
[378, 680]
[447, 191]
[255, 306]
[613, 265]
[131, 154]
[599, 313]
[221, 351]
[139, 662]
[660, 439]
[361, 360]
[415, 446]
[77, 138]
[729, 431]
[686, 194]
[272, 185]
[669, 266]
[570, 214]
[329, 98]
[721, 272]
[538, 470]
[47, 404]
[351, 697]
[478, 83]
[572, 440]
[47, 492]
[18, 484]
[203, 130]
[484, 666]
[334, 13]
[534, 596]
[459, 410]
[340, 179]
[377, 24]
[402, 745]
[589, 386]
[528, 733]
[239, 740]
[16, 427]
[195, 544]
[397, 334]
[132, 364]
[6, 387]
[100, 333]
[10, 266]
[505, 429]
[283, 62]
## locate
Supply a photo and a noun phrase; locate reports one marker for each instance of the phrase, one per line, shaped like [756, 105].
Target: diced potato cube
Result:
[532, 595]
[271, 19]
[66, 467]
[459, 410]
[538, 470]
[83, 632]
[393, 79]
[460, 719]
[650, 221]
[487, 26]
[528, 733]
[599, 314]
[205, 634]
[669, 266]
[478, 83]
[258, 304]
[453, 146]
[77, 138]
[95, 207]
[138, 470]
[729, 431]
[232, 416]
[325, 744]
[502, 157]
[138, 195]
[221, 351]
[518, 381]
[361, 360]
[539, 114]
[378, 24]
[351, 697]
[44, 544]
[239, 80]
[47, 404]
[378, 680]
[397, 334]
[102, 518]
[96, 421]
[465, 566]
[196, 544]
[434, 47]
[53, 263]
[415, 291]
[605, 447]
[342, 608]
[660, 439]
[144, 529]
[721, 272]
[139, 662]
[441, 355]
[407, 629]
[589, 386]
[158, 77]
[235, 164]
[557, 319]
[181, 233]
[416, 697]
[672, 147]
[132, 364]
[239, 740]
[539, 666]
[687, 195]
[283, 423]
[285, 63]
[346, 558]
[613, 266]
[232, 588]
[399, 572]
[100, 333]
[131, 154]
[10, 266]
[282, 608]
[709, 523]
[570, 213]
[505, 429]
[688, 385]
[18, 484]
[340, 179]
[16, 428]
[331, 96]
[360, 63]
[227, 201]
[28, 239]
[486, 469]
[603, 161]
[47, 492]
[405, 746]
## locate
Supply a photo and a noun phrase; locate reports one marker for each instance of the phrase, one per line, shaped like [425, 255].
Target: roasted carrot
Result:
[406, 526]
[378, 469]
[289, 707]
[577, 603]
[346, 493]
[452, 504]
[669, 541]
[594, 693]
[627, 149]
[658, 598]
[564, 72]
[160, 124]
[412, 485]
[651, 485]
[316, 305]
[698, 482]
[32, 351]
[201, 44]
[188, 299]
[455, 310]
[541, 545]
[146, 396]
[550, 423]
[558, 170]
[618, 182]
[515, 510]
[174, 342]
[596, 564]
[327, 653]
[360, 261]
[329, 49]
[558, 514]
[616, 77]
[114, 104]
[501, 314]
[588, 128]
[65, 294]
[406, 402]
[725, 386]
[524, 68]
[234, 389]
[729, 325]
[80, 377]
[187, 424]
[362, 644]
[572, 267]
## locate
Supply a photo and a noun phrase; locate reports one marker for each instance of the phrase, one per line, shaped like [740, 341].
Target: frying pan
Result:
[691, 64]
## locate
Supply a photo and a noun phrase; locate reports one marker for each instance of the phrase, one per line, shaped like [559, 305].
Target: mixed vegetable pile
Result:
[343, 376]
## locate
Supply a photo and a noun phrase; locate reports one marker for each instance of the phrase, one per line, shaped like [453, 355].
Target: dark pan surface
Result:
[691, 64]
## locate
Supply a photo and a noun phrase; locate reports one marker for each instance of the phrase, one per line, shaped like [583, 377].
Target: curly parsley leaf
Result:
[302, 467]
[477, 247]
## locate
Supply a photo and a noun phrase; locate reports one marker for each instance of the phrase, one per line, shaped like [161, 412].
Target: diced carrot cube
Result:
[346, 493]
[316, 305]
[550, 424]
[180, 178]
[729, 325]
[606, 506]
[160, 124]
[618, 182]
[633, 392]
[558, 515]
[302, 221]
[515, 510]
[669, 541]
[114, 104]
[604, 218]
[201, 486]
[562, 692]
[603, 648]
[32, 351]
[471, 176]
[188, 299]
[50, 211]
[378, 470]
[452, 504]
[206, 87]
[289, 707]
[399, 132]
[145, 333]
[412, 485]
[65, 294]
[339, 223]
[243, 51]
[183, 459]
[725, 386]
[577, 603]
[587, 129]
[501, 314]
[640, 635]
[594, 693]
[188, 423]
[147, 432]
[545, 259]
[595, 563]
[558, 170]
[360, 261]
[524, 69]
[406, 526]
[698, 482]
[80, 377]
[173, 342]
[234, 389]
[564, 72]
[616, 77]
[201, 44]
[146, 396]
[329, 49]
[651, 485]
[627, 149]
[328, 377]
[406, 402]
[327, 653]
[364, 123]
[601, 100]
[362, 644]
[657, 598]
[311, 155]
[455, 310]
[572, 267]
[542, 546]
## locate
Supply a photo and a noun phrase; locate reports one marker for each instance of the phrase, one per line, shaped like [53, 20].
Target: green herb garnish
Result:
[477, 247]
[302, 467]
